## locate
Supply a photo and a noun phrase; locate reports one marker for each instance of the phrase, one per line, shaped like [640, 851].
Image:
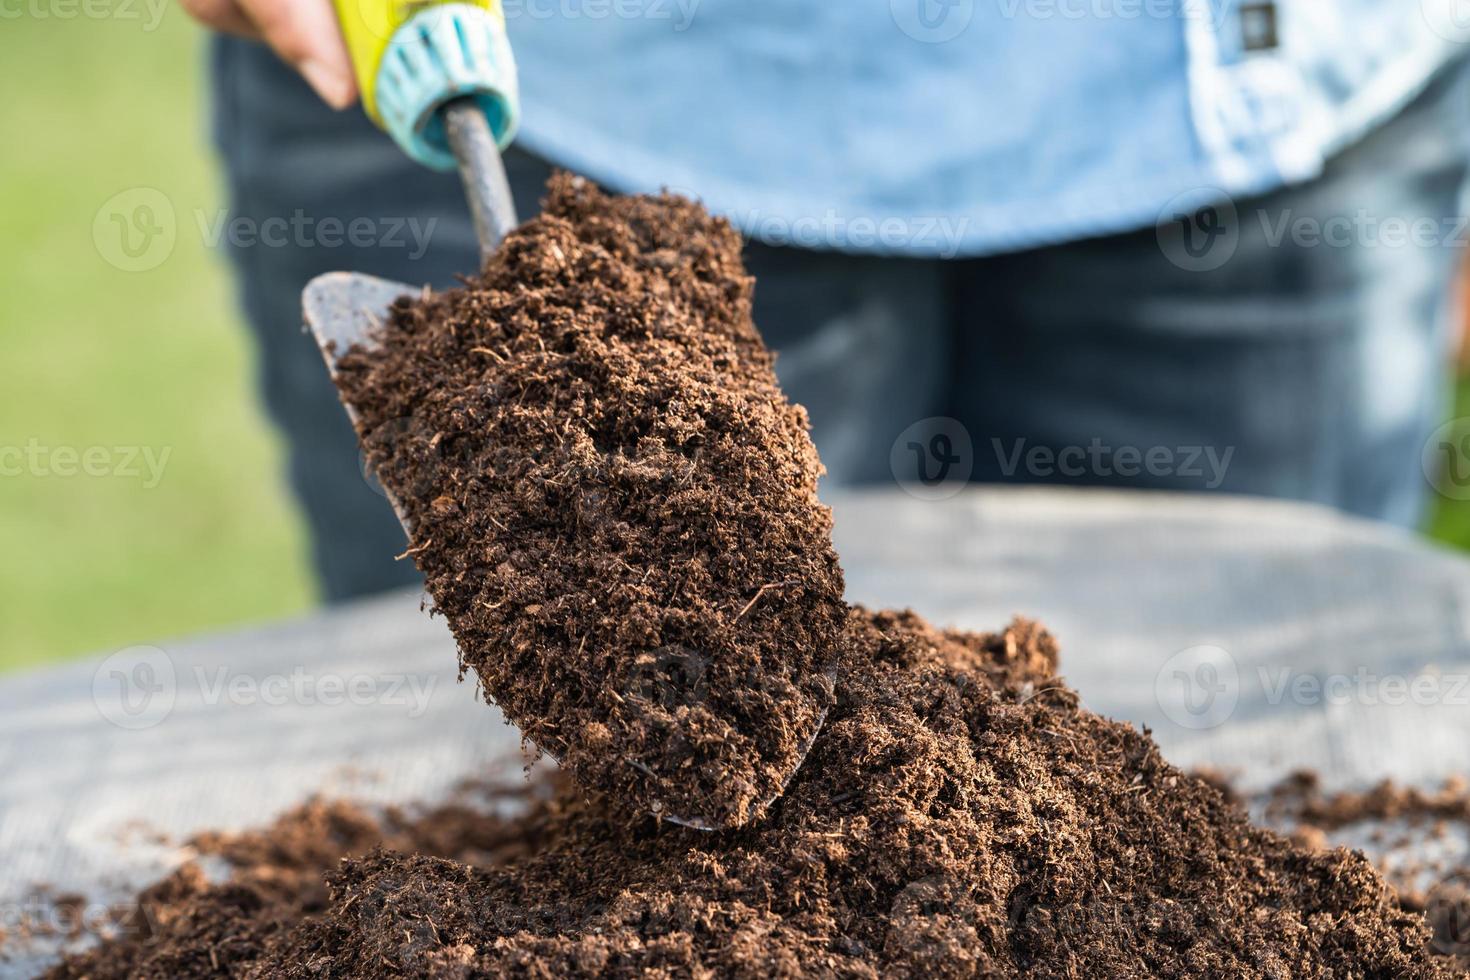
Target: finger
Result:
[306, 35]
[221, 15]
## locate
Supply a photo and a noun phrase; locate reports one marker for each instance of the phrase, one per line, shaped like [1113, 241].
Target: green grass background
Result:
[95, 356]
[1450, 522]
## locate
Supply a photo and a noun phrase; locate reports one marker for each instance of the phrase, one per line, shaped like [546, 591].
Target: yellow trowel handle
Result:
[412, 58]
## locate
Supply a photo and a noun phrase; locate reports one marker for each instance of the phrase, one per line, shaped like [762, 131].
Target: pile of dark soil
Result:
[614, 508]
[1418, 838]
[960, 814]
[613, 503]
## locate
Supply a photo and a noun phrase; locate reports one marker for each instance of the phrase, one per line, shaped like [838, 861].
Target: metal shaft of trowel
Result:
[483, 172]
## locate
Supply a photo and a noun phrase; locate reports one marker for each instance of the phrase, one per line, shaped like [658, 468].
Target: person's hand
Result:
[303, 32]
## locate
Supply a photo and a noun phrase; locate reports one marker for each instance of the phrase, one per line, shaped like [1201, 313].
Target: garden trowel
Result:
[441, 80]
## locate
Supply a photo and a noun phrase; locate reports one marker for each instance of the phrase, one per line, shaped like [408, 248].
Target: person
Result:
[1124, 242]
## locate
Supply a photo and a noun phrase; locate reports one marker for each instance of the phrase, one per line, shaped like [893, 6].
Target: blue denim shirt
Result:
[963, 127]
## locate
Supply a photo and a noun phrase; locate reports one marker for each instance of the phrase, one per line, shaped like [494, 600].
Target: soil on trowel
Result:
[613, 503]
[960, 815]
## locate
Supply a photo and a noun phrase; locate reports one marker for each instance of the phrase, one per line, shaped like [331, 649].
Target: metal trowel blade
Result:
[344, 309]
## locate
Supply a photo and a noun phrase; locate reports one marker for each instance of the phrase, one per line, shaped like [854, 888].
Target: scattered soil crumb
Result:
[140, 832]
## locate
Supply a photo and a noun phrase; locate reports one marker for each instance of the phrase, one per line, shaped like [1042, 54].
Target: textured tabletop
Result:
[1247, 634]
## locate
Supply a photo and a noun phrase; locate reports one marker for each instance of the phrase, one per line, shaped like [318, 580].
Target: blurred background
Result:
[150, 502]
[129, 365]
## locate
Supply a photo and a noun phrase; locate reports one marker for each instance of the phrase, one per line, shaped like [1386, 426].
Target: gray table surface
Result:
[1250, 635]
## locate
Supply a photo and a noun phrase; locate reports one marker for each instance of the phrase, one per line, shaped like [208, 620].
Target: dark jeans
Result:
[1310, 362]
